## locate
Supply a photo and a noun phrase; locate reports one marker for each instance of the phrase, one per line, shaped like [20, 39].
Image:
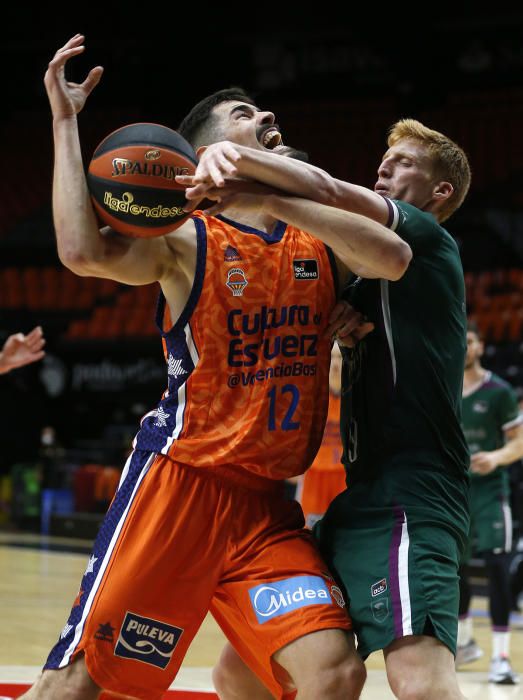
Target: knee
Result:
[352, 675]
[411, 689]
[222, 680]
[343, 680]
[233, 680]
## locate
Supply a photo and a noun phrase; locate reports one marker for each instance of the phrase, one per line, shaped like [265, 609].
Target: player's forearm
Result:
[356, 240]
[286, 174]
[510, 452]
[307, 181]
[78, 237]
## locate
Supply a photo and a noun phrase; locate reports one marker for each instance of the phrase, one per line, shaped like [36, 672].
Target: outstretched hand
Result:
[217, 162]
[20, 349]
[66, 98]
[216, 166]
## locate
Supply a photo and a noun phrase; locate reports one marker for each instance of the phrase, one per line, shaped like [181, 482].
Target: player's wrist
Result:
[4, 364]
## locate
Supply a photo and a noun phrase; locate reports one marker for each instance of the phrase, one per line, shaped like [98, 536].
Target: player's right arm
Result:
[510, 421]
[82, 247]
[222, 160]
[485, 462]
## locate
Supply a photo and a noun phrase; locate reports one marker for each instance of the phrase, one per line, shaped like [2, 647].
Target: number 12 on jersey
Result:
[278, 402]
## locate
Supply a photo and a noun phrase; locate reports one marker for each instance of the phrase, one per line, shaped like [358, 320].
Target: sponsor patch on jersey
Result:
[150, 641]
[480, 406]
[380, 609]
[306, 269]
[270, 600]
[378, 587]
[231, 254]
[236, 281]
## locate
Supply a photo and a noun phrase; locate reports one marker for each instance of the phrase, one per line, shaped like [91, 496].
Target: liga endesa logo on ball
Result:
[126, 205]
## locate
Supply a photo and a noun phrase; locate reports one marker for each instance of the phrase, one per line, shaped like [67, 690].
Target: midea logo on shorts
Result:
[273, 599]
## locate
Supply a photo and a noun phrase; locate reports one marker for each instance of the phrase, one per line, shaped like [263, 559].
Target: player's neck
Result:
[261, 222]
[474, 375]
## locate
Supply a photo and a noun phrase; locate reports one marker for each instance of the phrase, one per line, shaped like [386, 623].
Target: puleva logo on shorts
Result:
[277, 598]
[150, 641]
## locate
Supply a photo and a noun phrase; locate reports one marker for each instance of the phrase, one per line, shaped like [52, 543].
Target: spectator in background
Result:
[19, 350]
[17, 454]
[493, 428]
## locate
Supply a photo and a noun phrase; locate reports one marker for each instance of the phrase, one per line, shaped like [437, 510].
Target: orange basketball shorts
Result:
[180, 541]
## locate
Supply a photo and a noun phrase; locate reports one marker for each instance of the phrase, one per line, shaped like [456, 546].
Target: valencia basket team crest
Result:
[236, 281]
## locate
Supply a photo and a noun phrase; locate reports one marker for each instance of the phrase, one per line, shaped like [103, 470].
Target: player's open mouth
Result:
[269, 136]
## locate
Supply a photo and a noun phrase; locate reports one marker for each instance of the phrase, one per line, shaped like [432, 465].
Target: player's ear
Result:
[200, 151]
[443, 190]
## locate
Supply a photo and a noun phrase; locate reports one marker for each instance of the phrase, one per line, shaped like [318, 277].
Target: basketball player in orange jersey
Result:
[325, 478]
[200, 521]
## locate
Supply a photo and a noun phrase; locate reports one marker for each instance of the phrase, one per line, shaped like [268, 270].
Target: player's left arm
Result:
[512, 450]
[361, 244]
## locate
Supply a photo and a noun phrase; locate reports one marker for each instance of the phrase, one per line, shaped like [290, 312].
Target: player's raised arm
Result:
[81, 246]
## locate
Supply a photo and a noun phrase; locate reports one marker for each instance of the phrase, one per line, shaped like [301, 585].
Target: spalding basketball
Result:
[131, 179]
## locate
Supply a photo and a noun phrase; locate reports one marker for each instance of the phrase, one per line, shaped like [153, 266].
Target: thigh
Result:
[398, 570]
[277, 590]
[148, 584]
[307, 657]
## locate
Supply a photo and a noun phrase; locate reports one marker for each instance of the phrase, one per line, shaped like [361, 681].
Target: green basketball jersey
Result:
[487, 411]
[402, 384]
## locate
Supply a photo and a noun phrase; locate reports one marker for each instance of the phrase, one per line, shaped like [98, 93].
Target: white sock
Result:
[464, 631]
[500, 644]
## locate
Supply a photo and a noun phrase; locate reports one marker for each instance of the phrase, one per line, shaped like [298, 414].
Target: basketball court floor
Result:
[39, 578]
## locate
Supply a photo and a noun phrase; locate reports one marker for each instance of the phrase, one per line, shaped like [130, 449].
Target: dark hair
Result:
[194, 127]
[472, 327]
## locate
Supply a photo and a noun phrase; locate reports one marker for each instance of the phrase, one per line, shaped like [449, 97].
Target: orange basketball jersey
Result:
[325, 478]
[248, 360]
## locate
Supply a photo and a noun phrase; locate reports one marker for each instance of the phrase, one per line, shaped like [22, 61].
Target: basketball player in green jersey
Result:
[493, 429]
[395, 536]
